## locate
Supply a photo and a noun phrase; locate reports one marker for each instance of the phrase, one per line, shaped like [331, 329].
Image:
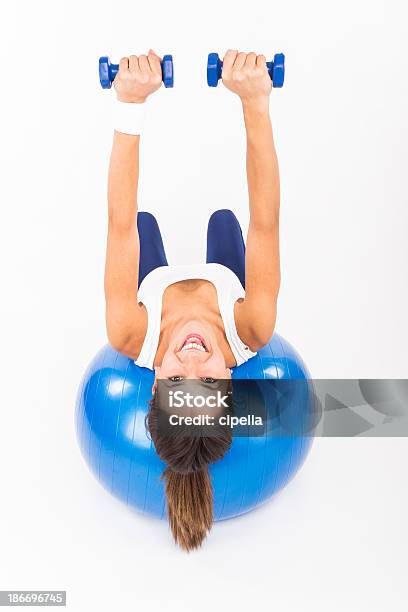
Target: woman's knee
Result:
[146, 219]
[143, 214]
[223, 215]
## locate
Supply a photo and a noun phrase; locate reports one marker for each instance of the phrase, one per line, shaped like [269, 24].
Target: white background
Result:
[336, 538]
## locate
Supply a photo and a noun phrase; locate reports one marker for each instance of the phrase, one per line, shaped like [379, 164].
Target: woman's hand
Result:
[246, 74]
[138, 77]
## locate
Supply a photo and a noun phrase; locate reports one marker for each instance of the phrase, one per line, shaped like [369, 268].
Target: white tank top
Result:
[229, 290]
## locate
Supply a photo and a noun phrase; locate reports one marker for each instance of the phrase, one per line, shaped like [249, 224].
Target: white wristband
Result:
[128, 117]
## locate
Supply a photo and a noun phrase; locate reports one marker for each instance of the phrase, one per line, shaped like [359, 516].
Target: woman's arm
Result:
[126, 321]
[247, 76]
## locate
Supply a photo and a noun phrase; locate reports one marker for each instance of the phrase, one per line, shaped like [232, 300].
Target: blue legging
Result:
[225, 244]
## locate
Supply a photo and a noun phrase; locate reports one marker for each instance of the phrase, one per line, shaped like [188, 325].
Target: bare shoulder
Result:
[255, 321]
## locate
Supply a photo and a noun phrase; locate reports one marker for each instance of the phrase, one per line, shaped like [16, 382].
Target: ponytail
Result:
[187, 480]
[189, 506]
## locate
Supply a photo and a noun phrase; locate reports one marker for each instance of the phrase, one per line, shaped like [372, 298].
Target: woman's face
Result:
[193, 352]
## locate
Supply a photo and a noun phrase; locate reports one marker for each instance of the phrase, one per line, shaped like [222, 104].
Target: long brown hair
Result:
[188, 486]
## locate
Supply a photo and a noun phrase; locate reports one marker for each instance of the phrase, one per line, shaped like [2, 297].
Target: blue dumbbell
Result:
[276, 69]
[108, 71]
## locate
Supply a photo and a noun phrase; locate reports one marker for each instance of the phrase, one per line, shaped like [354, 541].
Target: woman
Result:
[194, 321]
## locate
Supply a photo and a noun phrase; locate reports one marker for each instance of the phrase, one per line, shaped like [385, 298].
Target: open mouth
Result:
[194, 342]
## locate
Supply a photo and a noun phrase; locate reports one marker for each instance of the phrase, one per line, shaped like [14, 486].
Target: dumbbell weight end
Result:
[214, 69]
[277, 72]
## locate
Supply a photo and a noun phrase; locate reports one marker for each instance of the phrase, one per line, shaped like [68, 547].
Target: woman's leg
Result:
[152, 253]
[225, 244]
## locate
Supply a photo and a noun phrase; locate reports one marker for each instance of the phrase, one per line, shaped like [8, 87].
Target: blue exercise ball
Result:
[110, 419]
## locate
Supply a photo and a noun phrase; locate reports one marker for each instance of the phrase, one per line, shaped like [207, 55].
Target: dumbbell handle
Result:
[108, 71]
[220, 64]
